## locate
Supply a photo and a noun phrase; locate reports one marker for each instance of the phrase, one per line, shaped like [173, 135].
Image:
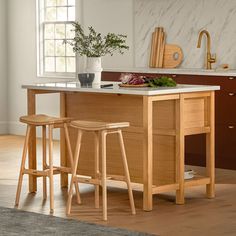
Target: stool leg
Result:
[51, 169]
[96, 168]
[126, 169]
[74, 169]
[104, 171]
[22, 166]
[71, 161]
[44, 161]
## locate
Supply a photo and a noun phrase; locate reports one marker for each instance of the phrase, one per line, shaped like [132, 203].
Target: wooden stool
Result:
[48, 170]
[103, 129]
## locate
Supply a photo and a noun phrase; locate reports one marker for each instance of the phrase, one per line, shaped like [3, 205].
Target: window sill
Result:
[56, 77]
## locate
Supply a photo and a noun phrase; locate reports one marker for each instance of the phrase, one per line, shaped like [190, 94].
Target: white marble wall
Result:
[111, 16]
[182, 20]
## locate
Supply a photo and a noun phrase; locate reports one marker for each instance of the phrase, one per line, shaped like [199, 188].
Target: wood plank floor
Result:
[199, 216]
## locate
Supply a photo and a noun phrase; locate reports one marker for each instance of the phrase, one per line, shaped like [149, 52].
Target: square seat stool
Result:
[48, 170]
[101, 130]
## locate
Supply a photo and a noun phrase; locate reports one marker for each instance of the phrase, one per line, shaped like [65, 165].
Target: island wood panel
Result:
[113, 107]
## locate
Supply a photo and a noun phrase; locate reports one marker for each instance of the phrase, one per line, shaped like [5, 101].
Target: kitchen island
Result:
[160, 118]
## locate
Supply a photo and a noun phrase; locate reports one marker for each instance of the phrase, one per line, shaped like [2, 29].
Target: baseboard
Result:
[3, 127]
[17, 128]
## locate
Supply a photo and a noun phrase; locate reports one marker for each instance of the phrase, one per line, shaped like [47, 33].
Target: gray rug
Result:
[17, 222]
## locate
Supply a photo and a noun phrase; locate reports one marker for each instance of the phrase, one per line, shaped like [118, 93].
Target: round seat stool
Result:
[101, 130]
[47, 170]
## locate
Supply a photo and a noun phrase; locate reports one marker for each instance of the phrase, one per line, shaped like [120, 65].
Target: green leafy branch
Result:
[96, 45]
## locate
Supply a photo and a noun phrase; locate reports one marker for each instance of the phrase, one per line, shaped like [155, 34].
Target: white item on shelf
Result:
[189, 174]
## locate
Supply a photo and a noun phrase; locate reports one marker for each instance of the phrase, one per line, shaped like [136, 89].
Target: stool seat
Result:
[98, 125]
[40, 120]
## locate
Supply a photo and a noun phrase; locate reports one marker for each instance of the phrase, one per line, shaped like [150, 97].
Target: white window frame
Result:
[40, 44]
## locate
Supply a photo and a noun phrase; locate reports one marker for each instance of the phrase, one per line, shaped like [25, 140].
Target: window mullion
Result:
[55, 59]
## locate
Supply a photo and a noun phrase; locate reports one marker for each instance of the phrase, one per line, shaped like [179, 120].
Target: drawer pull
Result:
[173, 76]
[231, 78]
[231, 94]
[231, 127]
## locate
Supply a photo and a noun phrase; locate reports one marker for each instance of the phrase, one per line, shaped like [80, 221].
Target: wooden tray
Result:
[133, 86]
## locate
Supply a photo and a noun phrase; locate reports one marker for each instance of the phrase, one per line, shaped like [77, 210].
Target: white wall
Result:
[116, 17]
[3, 68]
[22, 49]
[22, 63]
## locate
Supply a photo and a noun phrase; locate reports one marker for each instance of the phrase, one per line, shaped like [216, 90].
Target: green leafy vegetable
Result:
[163, 81]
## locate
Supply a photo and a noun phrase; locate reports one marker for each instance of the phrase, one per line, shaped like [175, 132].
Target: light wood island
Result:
[159, 121]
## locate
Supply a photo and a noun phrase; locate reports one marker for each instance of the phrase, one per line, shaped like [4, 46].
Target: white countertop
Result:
[115, 89]
[182, 71]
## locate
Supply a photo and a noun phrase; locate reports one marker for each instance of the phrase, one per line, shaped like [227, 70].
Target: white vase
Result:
[94, 65]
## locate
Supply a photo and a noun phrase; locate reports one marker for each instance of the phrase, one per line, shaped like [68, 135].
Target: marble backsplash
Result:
[182, 21]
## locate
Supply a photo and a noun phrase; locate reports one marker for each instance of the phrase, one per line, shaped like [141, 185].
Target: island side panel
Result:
[115, 108]
[112, 108]
[164, 142]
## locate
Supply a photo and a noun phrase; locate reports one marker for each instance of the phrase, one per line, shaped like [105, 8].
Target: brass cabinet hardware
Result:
[231, 127]
[231, 94]
[231, 78]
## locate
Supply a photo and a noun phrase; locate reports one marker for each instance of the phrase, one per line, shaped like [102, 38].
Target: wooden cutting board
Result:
[157, 48]
[173, 56]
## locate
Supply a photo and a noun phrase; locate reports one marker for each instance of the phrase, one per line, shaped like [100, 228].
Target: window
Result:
[55, 18]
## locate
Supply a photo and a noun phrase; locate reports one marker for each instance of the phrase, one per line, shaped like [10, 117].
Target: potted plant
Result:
[93, 45]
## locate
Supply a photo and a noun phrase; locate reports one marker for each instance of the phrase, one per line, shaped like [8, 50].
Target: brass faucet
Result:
[209, 58]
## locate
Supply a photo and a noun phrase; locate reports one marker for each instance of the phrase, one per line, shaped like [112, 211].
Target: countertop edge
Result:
[192, 88]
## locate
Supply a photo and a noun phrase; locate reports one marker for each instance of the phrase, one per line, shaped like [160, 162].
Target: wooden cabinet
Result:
[225, 120]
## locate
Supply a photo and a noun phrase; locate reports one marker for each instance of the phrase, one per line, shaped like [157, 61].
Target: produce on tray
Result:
[163, 81]
[134, 79]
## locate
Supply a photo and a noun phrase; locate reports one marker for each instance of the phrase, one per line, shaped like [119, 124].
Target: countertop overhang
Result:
[74, 86]
[181, 71]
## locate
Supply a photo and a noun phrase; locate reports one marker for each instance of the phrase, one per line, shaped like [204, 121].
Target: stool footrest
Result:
[63, 169]
[41, 173]
[38, 173]
[116, 177]
[86, 180]
[60, 168]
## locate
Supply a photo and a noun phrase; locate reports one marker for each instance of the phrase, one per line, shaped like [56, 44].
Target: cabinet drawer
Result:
[225, 82]
[225, 109]
[225, 146]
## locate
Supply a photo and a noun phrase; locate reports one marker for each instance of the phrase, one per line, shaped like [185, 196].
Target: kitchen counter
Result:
[182, 71]
[160, 119]
[115, 89]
